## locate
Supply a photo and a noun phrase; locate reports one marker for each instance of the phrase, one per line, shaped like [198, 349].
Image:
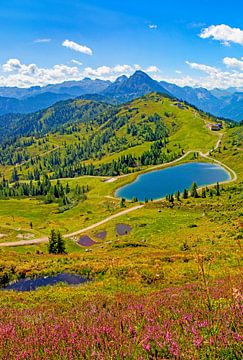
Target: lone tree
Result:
[123, 203]
[193, 190]
[56, 243]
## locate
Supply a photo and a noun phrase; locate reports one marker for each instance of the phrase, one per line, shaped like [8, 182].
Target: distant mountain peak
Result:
[121, 78]
[138, 84]
[140, 73]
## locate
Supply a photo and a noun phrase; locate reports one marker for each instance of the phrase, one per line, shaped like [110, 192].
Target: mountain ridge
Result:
[223, 103]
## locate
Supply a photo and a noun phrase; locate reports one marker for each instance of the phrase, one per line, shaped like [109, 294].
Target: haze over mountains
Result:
[224, 103]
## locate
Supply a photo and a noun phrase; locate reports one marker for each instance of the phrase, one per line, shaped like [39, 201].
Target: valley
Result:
[63, 176]
[121, 180]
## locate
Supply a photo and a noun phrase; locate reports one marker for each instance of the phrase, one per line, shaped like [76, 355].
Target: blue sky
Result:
[46, 41]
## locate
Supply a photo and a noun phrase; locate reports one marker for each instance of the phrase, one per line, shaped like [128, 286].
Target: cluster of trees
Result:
[45, 189]
[123, 165]
[193, 192]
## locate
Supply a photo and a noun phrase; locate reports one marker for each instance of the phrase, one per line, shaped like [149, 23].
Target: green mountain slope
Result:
[80, 137]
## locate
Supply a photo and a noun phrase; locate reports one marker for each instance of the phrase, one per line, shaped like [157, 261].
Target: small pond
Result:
[32, 284]
[159, 183]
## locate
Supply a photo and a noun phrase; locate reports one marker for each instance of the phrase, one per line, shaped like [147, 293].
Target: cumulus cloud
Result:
[213, 77]
[15, 73]
[223, 33]
[233, 63]
[77, 47]
[153, 26]
[42, 40]
[206, 68]
[152, 69]
[76, 62]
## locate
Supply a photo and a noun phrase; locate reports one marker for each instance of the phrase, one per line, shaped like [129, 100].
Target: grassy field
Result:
[187, 131]
[179, 269]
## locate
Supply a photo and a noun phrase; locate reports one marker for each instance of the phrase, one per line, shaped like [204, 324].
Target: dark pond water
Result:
[32, 284]
[159, 183]
[86, 241]
[123, 229]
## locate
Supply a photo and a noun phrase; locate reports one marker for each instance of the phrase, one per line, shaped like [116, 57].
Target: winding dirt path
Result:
[126, 211]
[45, 239]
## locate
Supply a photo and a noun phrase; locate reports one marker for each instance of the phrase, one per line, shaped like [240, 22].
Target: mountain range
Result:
[219, 102]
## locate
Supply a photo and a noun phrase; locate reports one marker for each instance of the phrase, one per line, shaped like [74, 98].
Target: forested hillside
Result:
[87, 137]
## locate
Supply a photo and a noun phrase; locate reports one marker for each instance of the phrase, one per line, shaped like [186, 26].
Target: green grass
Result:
[187, 131]
[162, 248]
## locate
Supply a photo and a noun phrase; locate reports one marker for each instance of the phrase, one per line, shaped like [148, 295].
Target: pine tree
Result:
[185, 194]
[122, 203]
[61, 249]
[193, 190]
[217, 189]
[52, 245]
[15, 176]
[203, 193]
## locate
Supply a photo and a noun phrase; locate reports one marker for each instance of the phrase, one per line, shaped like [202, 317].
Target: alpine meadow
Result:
[121, 180]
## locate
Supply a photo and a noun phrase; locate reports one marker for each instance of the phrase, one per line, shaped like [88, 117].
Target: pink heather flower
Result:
[146, 347]
[237, 337]
[174, 349]
[198, 341]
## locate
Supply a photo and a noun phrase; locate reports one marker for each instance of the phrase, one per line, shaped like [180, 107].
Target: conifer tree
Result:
[61, 249]
[52, 245]
[217, 189]
[193, 190]
[185, 194]
[203, 193]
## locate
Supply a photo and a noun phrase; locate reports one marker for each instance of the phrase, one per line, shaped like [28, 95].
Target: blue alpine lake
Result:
[32, 284]
[159, 183]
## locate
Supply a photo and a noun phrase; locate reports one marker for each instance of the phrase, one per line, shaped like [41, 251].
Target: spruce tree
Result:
[203, 193]
[193, 190]
[52, 245]
[217, 189]
[15, 176]
[61, 249]
[123, 203]
[185, 194]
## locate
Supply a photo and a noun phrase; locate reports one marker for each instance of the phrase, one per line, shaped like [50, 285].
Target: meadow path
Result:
[93, 226]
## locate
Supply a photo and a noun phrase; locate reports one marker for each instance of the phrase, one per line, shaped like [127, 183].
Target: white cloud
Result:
[11, 65]
[194, 25]
[223, 33]
[213, 77]
[206, 68]
[152, 69]
[178, 71]
[77, 47]
[76, 62]
[233, 63]
[42, 40]
[15, 73]
[111, 73]
[153, 26]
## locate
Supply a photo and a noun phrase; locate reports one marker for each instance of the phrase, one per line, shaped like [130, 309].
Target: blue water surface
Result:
[32, 284]
[159, 183]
